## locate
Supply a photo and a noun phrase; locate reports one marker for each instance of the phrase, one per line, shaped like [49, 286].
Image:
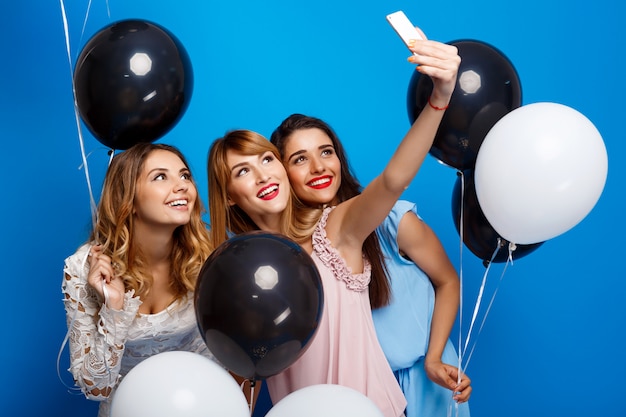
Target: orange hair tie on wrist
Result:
[435, 107]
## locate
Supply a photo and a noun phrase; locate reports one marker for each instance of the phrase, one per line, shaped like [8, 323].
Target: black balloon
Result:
[133, 82]
[478, 235]
[487, 88]
[258, 302]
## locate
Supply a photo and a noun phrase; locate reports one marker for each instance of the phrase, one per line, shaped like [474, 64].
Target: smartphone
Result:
[403, 27]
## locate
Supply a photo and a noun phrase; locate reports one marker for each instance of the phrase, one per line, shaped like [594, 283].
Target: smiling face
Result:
[258, 184]
[313, 167]
[165, 195]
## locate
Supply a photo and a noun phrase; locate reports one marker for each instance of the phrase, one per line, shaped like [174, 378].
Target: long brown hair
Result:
[114, 226]
[297, 221]
[379, 288]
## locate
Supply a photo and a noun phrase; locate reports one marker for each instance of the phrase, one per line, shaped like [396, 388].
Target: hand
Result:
[440, 62]
[101, 275]
[447, 376]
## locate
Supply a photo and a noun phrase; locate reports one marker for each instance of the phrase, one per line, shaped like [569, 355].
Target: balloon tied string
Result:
[512, 247]
[252, 387]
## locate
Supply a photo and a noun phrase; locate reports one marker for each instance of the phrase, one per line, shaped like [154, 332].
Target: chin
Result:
[323, 198]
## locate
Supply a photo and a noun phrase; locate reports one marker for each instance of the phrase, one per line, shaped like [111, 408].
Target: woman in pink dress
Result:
[249, 190]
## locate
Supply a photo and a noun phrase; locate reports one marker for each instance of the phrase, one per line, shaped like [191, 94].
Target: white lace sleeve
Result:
[97, 334]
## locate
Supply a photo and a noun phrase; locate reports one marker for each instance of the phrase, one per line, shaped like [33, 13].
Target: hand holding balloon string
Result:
[450, 377]
[102, 277]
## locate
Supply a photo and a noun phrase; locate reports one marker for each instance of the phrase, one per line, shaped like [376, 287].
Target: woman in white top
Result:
[128, 290]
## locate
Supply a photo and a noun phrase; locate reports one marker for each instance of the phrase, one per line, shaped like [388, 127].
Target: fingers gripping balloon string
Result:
[105, 292]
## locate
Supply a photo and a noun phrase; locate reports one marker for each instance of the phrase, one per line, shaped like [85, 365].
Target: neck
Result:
[269, 223]
[156, 243]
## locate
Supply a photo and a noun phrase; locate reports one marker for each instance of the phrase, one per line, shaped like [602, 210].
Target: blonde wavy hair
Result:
[297, 221]
[114, 227]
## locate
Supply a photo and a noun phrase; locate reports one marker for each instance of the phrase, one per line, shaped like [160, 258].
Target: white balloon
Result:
[539, 171]
[325, 400]
[179, 384]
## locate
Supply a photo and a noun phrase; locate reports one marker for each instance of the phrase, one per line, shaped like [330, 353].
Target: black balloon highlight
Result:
[133, 82]
[487, 88]
[258, 303]
[478, 235]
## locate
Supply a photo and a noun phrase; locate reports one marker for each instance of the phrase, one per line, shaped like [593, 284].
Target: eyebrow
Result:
[239, 165]
[167, 170]
[248, 163]
[296, 153]
[321, 147]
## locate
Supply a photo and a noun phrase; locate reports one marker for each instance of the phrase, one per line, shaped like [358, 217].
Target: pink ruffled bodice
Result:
[331, 258]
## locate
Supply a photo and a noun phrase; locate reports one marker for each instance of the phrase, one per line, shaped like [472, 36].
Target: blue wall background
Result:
[553, 342]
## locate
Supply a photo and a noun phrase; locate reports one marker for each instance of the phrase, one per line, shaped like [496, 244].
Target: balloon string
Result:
[460, 173]
[71, 389]
[479, 300]
[463, 347]
[512, 247]
[509, 261]
[82, 32]
[453, 405]
[92, 200]
[252, 385]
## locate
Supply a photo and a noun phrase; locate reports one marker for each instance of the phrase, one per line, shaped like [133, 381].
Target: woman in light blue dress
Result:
[414, 339]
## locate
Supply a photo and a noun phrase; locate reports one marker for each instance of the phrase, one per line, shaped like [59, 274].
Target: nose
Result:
[263, 176]
[317, 165]
[181, 185]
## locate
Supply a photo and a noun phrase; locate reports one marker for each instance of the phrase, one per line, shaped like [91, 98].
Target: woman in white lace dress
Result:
[128, 291]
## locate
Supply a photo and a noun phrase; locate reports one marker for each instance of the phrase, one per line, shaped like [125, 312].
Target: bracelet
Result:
[435, 107]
